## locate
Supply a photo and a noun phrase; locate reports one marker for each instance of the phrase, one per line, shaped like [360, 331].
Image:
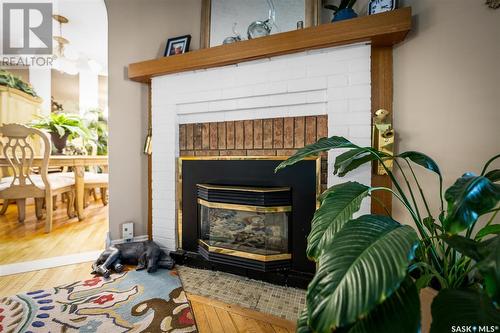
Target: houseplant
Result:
[97, 124]
[61, 127]
[370, 268]
[343, 11]
[10, 80]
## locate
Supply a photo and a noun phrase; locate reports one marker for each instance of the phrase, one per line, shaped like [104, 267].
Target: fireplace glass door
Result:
[246, 222]
[244, 228]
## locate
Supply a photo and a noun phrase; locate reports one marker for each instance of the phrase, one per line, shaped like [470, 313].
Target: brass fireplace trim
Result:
[245, 208]
[245, 188]
[246, 255]
[231, 158]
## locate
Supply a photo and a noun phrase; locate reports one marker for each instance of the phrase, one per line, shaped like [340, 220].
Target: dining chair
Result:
[19, 153]
[93, 180]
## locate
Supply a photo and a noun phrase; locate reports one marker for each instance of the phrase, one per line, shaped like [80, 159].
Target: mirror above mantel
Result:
[228, 18]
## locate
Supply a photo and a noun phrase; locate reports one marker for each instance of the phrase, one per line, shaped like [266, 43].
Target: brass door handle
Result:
[383, 138]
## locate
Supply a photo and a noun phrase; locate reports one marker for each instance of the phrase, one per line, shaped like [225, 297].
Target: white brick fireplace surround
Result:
[332, 81]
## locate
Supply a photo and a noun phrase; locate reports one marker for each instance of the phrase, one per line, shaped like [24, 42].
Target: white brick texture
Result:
[332, 81]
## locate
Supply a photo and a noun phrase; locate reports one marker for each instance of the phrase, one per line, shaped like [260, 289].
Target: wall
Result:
[447, 87]
[331, 81]
[137, 31]
[66, 90]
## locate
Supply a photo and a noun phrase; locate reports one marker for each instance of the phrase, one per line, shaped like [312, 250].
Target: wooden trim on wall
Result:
[206, 10]
[150, 169]
[382, 95]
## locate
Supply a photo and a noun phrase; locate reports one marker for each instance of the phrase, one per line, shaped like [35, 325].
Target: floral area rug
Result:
[134, 301]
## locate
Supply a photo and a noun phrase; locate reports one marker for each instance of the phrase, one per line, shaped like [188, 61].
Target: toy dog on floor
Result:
[146, 255]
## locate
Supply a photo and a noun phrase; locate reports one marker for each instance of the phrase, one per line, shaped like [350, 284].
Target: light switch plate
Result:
[128, 231]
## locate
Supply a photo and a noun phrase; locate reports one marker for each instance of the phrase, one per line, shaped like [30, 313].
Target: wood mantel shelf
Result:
[384, 29]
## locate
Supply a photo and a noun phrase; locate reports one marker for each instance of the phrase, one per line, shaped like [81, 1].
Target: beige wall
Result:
[447, 87]
[66, 90]
[138, 30]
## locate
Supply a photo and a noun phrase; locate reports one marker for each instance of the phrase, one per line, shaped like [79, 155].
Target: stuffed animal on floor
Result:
[146, 255]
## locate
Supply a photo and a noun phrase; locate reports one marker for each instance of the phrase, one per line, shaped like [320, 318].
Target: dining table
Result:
[78, 163]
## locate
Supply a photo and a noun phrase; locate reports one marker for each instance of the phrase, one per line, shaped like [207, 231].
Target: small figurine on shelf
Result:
[236, 37]
[343, 11]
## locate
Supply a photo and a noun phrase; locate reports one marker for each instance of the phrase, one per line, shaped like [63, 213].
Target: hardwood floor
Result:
[211, 316]
[216, 317]
[28, 241]
[35, 280]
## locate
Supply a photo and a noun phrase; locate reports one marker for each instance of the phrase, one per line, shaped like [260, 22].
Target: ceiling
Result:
[87, 29]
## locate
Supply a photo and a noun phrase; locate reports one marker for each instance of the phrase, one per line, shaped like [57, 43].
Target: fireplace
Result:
[237, 215]
[245, 226]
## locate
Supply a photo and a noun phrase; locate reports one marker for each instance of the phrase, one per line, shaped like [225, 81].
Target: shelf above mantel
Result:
[384, 29]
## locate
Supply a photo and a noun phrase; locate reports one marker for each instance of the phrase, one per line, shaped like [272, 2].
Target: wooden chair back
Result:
[19, 152]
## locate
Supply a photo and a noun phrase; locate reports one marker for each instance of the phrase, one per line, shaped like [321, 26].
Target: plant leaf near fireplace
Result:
[370, 269]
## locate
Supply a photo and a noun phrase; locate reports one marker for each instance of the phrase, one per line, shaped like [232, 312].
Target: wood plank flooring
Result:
[28, 241]
[211, 316]
[218, 317]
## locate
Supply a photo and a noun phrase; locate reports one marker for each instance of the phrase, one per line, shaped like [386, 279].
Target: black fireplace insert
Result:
[237, 215]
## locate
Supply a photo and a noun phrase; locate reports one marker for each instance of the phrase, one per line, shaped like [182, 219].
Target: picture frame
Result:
[177, 45]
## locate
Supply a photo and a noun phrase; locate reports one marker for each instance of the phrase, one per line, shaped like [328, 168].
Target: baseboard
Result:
[35, 265]
[141, 238]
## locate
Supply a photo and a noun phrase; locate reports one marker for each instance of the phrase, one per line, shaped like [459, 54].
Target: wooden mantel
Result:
[382, 30]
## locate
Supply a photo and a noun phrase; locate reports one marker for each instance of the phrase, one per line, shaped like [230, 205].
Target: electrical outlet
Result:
[128, 231]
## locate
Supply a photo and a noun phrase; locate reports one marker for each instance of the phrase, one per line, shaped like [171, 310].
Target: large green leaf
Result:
[488, 230]
[399, 313]
[352, 159]
[464, 245]
[487, 256]
[362, 267]
[337, 207]
[422, 160]
[456, 308]
[302, 326]
[489, 266]
[493, 175]
[323, 144]
[470, 197]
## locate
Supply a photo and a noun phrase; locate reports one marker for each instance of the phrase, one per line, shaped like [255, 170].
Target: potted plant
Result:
[97, 125]
[343, 11]
[10, 80]
[370, 268]
[61, 127]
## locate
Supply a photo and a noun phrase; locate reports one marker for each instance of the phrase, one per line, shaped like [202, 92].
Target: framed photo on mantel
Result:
[177, 45]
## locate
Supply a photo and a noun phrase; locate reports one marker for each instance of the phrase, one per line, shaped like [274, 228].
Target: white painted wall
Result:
[334, 81]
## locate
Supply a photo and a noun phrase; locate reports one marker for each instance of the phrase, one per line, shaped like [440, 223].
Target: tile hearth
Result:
[284, 302]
